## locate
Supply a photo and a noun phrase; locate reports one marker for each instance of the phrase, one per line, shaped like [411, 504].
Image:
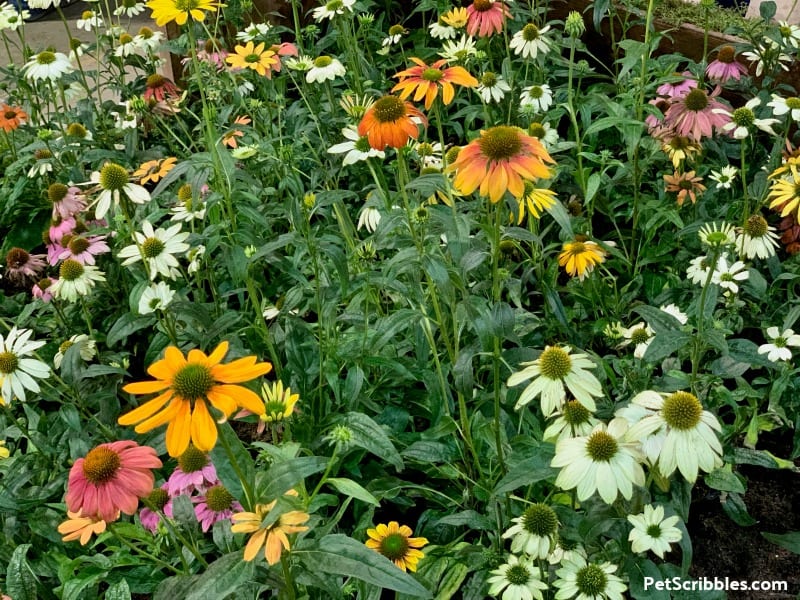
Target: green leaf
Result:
[658, 319]
[767, 10]
[592, 186]
[724, 480]
[736, 509]
[118, 591]
[348, 487]
[426, 451]
[338, 554]
[746, 456]
[450, 584]
[665, 344]
[790, 541]
[561, 216]
[174, 587]
[370, 436]
[470, 518]
[639, 570]
[20, 580]
[530, 470]
[223, 577]
[228, 473]
[283, 476]
[127, 325]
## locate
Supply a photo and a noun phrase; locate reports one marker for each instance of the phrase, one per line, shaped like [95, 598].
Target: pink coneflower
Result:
[284, 49]
[725, 67]
[157, 500]
[652, 121]
[678, 88]
[486, 17]
[21, 265]
[695, 114]
[41, 289]
[160, 88]
[83, 248]
[211, 52]
[60, 229]
[217, 505]
[66, 201]
[111, 478]
[194, 472]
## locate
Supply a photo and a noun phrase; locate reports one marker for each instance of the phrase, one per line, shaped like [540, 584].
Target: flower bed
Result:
[430, 301]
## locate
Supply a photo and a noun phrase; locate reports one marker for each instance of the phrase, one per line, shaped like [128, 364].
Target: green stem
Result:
[144, 553]
[249, 495]
[698, 347]
[496, 292]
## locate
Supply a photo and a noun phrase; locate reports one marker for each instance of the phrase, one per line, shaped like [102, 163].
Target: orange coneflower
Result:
[427, 79]
[154, 170]
[394, 541]
[11, 117]
[229, 139]
[503, 158]
[187, 384]
[686, 184]
[390, 122]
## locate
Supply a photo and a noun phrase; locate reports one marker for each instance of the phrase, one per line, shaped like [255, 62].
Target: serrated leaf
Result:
[223, 577]
[20, 581]
[370, 436]
[118, 591]
[348, 487]
[338, 554]
[724, 480]
[665, 344]
[283, 476]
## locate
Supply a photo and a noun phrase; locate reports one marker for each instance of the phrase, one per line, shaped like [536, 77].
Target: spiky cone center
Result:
[322, 61]
[78, 244]
[65, 346]
[680, 142]
[274, 409]
[682, 411]
[696, 100]
[726, 54]
[8, 362]
[500, 143]
[76, 129]
[452, 154]
[157, 499]
[152, 247]
[218, 498]
[530, 32]
[537, 130]
[45, 283]
[601, 446]
[146, 33]
[489, 79]
[113, 177]
[793, 103]
[16, 257]
[193, 381]
[362, 144]
[389, 109]
[155, 81]
[334, 5]
[482, 5]
[185, 193]
[432, 74]
[555, 363]
[756, 226]
[46, 58]
[540, 519]
[129, 3]
[187, 5]
[10, 114]
[686, 184]
[87, 14]
[536, 92]
[397, 30]
[743, 117]
[576, 413]
[518, 575]
[42, 153]
[640, 335]
[253, 58]
[100, 465]
[654, 531]
[591, 581]
[192, 460]
[785, 31]
[125, 38]
[70, 270]
[394, 546]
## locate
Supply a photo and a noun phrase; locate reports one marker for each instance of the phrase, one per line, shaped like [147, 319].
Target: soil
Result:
[724, 549]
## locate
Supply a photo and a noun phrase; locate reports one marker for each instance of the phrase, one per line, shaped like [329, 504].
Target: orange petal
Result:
[219, 353]
[243, 397]
[146, 410]
[179, 430]
[145, 387]
[254, 544]
[160, 418]
[204, 430]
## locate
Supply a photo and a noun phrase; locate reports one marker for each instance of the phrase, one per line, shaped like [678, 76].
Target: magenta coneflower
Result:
[66, 201]
[217, 505]
[652, 121]
[725, 67]
[21, 265]
[111, 478]
[41, 289]
[486, 17]
[675, 89]
[60, 229]
[194, 472]
[157, 500]
[83, 248]
[695, 114]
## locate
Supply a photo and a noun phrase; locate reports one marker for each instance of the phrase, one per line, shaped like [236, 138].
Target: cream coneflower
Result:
[114, 182]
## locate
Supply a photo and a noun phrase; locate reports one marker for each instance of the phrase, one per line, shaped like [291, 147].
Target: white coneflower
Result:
[727, 276]
[543, 132]
[756, 239]
[690, 443]
[555, 371]
[75, 280]
[460, 50]
[11, 17]
[651, 531]
[156, 297]
[18, 372]
[777, 348]
[640, 335]
[126, 46]
[725, 177]
[332, 8]
[86, 347]
[396, 33]
[369, 218]
[356, 148]
[573, 420]
[743, 119]
[492, 87]
[253, 32]
[440, 30]
[189, 207]
[157, 248]
[114, 182]
[535, 531]
[717, 236]
[517, 579]
[781, 106]
[47, 65]
[588, 581]
[697, 271]
[530, 41]
[89, 21]
[148, 40]
[325, 68]
[195, 257]
[536, 97]
[300, 63]
[129, 8]
[602, 462]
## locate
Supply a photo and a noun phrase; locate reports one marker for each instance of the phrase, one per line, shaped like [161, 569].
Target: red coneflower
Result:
[111, 478]
[426, 80]
[390, 122]
[486, 17]
[11, 118]
[160, 88]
